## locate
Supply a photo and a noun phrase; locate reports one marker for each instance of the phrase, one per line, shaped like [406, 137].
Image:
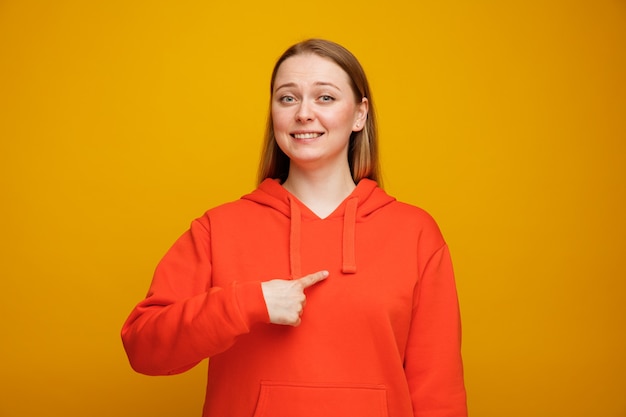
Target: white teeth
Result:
[306, 135]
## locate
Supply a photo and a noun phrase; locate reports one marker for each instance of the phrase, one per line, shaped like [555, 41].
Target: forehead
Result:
[310, 68]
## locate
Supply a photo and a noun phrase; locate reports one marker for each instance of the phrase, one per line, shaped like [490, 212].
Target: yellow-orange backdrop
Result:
[121, 121]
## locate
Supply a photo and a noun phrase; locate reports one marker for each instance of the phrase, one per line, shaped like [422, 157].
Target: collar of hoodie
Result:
[295, 237]
[365, 199]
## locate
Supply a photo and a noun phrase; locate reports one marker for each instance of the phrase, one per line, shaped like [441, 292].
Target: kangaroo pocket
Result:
[317, 400]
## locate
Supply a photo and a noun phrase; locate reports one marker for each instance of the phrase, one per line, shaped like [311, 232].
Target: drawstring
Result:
[348, 265]
[294, 240]
[349, 225]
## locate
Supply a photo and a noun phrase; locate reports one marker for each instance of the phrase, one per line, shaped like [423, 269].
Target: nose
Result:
[304, 113]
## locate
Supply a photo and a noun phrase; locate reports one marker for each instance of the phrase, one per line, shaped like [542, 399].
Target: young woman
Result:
[317, 294]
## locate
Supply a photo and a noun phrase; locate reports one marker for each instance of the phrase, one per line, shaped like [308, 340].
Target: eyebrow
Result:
[317, 84]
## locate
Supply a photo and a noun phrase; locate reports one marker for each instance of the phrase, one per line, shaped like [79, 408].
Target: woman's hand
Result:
[285, 299]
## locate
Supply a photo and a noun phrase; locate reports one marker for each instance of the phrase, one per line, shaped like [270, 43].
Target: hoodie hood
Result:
[364, 200]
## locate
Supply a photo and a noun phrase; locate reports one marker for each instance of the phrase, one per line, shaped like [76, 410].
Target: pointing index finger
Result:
[313, 279]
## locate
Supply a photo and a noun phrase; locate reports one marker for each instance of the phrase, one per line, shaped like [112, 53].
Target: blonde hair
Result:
[363, 146]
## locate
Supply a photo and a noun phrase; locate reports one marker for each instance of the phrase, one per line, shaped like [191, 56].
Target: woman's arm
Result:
[433, 363]
[184, 319]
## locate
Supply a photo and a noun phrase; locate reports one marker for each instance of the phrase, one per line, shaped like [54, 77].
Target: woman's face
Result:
[314, 112]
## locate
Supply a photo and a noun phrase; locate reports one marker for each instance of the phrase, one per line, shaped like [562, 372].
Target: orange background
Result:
[121, 121]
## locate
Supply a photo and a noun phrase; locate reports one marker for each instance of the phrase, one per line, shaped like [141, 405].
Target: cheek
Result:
[342, 119]
[279, 120]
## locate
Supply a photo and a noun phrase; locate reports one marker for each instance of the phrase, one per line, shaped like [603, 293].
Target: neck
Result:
[322, 192]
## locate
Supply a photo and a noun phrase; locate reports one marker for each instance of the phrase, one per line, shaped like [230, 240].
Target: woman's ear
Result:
[362, 109]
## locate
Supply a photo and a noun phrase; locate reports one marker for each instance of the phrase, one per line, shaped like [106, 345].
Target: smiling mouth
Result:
[309, 135]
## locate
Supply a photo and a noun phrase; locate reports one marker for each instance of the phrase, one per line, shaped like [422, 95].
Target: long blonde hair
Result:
[363, 146]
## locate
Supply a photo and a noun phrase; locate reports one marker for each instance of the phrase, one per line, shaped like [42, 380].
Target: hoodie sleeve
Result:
[433, 363]
[184, 319]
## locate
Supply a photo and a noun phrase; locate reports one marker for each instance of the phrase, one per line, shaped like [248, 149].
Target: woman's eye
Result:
[326, 99]
[287, 99]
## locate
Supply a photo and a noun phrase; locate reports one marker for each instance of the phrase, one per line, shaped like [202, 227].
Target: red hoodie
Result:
[379, 337]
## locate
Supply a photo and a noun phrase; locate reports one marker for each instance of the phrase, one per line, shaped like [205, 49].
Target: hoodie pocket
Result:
[321, 400]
